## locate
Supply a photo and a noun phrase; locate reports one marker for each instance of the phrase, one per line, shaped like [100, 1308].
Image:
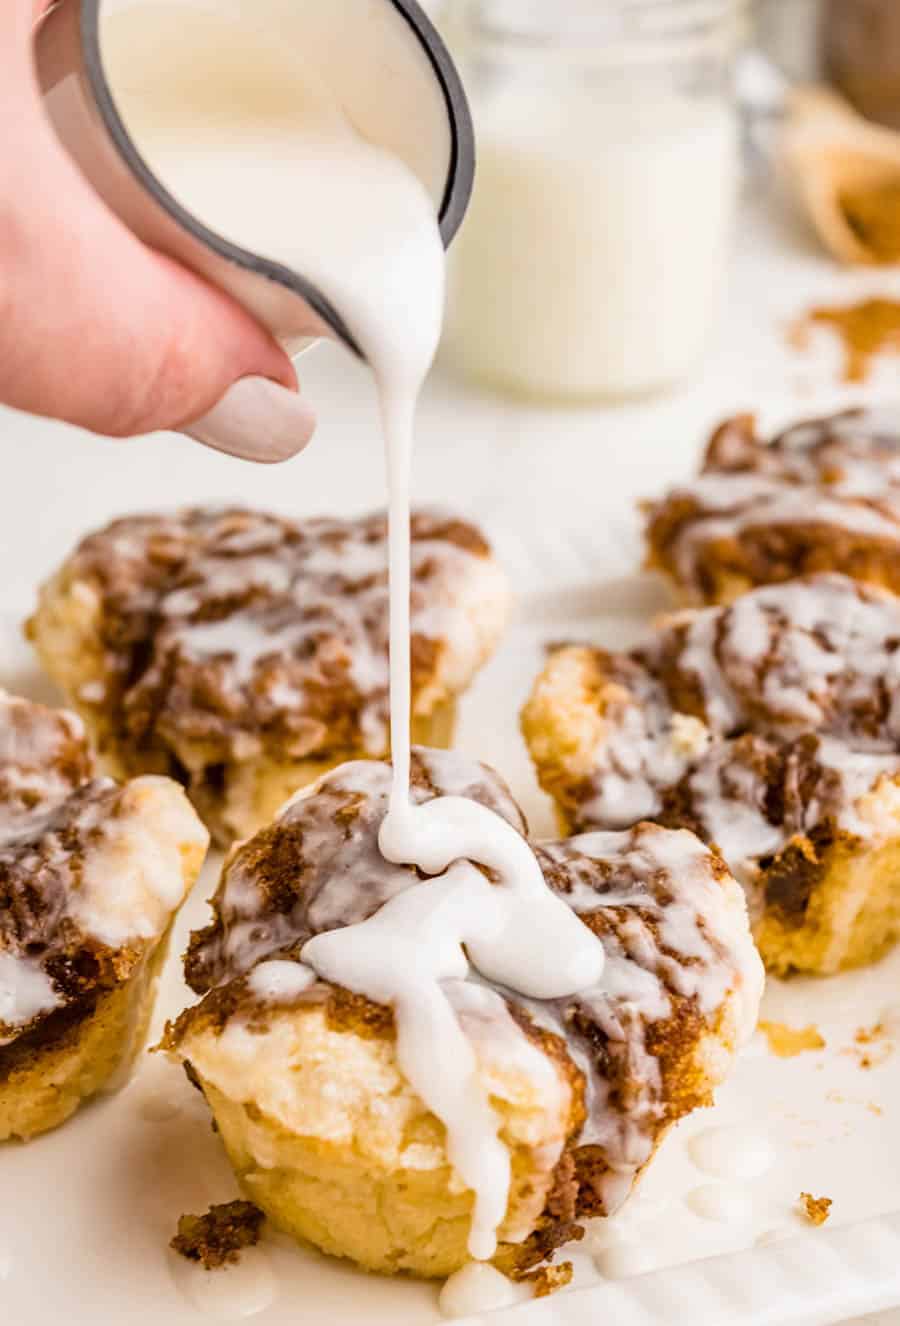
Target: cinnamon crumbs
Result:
[787, 1042]
[548, 1279]
[866, 329]
[218, 1238]
[816, 1209]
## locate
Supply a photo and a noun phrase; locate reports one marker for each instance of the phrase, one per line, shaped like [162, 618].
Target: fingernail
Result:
[256, 420]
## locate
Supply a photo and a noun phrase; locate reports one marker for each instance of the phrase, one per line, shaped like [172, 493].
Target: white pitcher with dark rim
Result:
[425, 122]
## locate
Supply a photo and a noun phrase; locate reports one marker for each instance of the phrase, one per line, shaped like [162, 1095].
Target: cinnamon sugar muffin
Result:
[91, 875]
[771, 728]
[323, 1129]
[822, 496]
[244, 654]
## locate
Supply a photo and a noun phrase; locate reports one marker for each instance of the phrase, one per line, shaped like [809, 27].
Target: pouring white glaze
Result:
[269, 160]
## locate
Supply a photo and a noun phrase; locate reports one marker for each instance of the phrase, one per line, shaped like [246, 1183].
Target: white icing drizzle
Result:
[695, 922]
[271, 633]
[477, 1288]
[737, 1152]
[622, 1261]
[516, 933]
[33, 778]
[248, 1288]
[25, 992]
[486, 901]
[280, 982]
[331, 583]
[132, 878]
[671, 925]
[797, 685]
[842, 474]
[720, 1202]
[391, 297]
[770, 503]
[78, 856]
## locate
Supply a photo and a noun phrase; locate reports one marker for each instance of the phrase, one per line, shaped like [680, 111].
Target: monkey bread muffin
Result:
[822, 496]
[244, 654]
[306, 1079]
[771, 728]
[91, 875]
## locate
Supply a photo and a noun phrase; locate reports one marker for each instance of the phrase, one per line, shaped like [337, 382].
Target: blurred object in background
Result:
[594, 254]
[837, 112]
[861, 48]
[845, 170]
[789, 32]
[855, 44]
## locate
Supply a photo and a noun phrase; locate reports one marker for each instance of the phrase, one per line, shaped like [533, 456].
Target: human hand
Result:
[101, 331]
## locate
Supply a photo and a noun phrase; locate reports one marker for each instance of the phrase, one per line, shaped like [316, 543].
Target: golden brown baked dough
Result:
[91, 875]
[244, 654]
[822, 496]
[324, 1132]
[771, 729]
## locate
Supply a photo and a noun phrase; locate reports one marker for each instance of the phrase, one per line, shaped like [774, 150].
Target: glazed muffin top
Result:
[752, 723]
[89, 871]
[239, 630]
[811, 499]
[855, 454]
[670, 918]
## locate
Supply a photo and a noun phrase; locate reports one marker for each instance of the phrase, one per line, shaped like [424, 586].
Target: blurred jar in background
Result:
[592, 261]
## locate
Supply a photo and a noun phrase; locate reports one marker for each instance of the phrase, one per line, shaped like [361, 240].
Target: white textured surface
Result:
[84, 1241]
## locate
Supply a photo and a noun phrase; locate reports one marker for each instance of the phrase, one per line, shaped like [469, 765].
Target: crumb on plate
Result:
[548, 1279]
[816, 1209]
[787, 1042]
[217, 1238]
[871, 1046]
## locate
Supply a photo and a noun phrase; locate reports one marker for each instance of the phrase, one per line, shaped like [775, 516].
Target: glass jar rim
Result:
[560, 22]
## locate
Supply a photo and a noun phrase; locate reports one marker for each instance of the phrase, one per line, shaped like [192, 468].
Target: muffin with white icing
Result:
[822, 496]
[306, 1079]
[770, 728]
[91, 875]
[245, 654]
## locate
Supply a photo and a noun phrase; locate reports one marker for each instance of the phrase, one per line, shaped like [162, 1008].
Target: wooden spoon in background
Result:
[846, 171]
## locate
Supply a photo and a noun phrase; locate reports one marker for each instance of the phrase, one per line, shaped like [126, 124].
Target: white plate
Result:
[88, 1210]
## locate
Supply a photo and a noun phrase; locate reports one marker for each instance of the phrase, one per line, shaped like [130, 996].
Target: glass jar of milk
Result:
[592, 260]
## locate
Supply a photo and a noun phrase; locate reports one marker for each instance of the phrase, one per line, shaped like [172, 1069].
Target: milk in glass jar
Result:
[592, 262]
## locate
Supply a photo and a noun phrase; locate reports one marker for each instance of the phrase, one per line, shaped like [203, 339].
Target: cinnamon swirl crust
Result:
[244, 654]
[90, 876]
[822, 496]
[769, 728]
